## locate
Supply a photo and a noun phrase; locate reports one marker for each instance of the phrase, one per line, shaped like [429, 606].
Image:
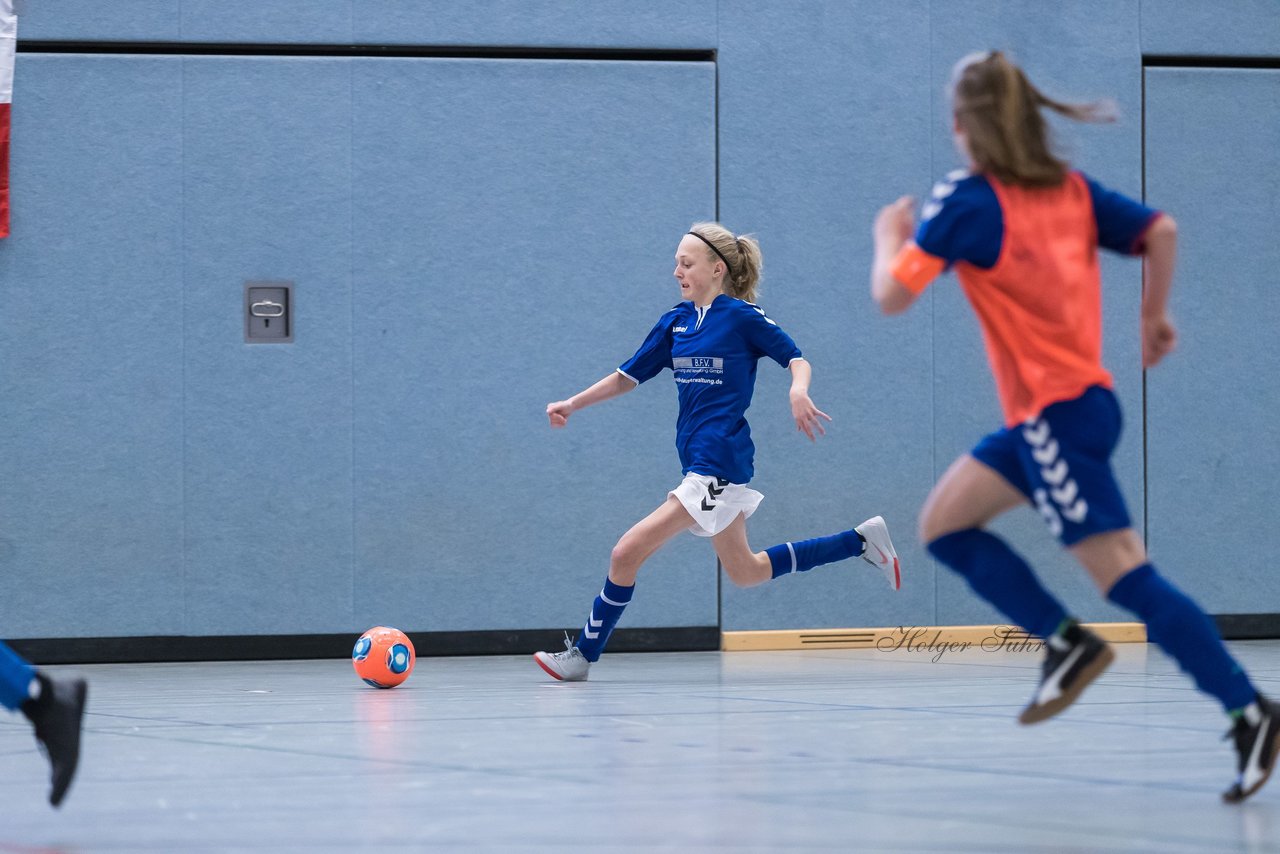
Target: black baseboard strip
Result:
[134, 650]
[131, 650]
[159, 48]
[1160, 60]
[1248, 626]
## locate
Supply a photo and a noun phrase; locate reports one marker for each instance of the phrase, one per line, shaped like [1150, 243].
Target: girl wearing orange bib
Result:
[1022, 231]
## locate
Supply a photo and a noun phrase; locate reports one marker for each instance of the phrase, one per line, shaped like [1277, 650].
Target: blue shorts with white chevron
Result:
[1061, 460]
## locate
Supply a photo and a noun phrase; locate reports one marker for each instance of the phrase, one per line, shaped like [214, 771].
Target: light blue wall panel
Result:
[92, 20]
[1199, 28]
[608, 23]
[1212, 138]
[91, 351]
[1076, 51]
[283, 21]
[277, 21]
[472, 239]
[815, 147]
[514, 225]
[585, 23]
[825, 116]
[268, 444]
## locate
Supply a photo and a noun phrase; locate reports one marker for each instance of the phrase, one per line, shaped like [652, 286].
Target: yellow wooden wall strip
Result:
[989, 638]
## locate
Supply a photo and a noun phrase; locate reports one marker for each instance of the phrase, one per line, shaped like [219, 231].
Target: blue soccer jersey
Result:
[713, 353]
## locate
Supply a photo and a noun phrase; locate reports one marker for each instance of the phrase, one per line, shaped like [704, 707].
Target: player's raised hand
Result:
[808, 417]
[558, 413]
[896, 222]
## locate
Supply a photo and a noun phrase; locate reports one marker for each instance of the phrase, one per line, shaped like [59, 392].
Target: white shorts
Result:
[714, 502]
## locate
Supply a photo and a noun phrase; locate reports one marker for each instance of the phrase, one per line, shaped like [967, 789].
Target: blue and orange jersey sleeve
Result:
[961, 221]
[1122, 221]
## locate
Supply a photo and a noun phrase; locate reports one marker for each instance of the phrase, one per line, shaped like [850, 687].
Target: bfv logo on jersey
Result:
[709, 364]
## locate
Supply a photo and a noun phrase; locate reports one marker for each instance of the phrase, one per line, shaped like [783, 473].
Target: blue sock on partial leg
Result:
[16, 675]
[1179, 627]
[999, 575]
[806, 554]
[605, 612]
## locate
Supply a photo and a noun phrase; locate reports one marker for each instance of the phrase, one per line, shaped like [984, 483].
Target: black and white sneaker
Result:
[57, 715]
[1255, 734]
[1072, 660]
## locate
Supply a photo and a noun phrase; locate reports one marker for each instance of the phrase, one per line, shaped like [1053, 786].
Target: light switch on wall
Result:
[268, 312]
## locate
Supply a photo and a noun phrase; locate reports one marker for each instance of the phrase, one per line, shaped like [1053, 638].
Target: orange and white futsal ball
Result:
[383, 657]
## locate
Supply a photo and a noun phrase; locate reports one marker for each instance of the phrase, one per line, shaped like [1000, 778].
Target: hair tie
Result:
[727, 265]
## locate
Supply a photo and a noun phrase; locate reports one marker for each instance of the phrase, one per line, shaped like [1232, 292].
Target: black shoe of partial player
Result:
[1067, 671]
[57, 716]
[1256, 748]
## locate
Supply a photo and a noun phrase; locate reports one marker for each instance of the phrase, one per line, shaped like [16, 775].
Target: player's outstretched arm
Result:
[808, 417]
[1159, 336]
[611, 386]
[893, 228]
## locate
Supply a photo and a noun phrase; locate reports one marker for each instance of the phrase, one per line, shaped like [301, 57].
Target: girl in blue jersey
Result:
[54, 707]
[1022, 230]
[711, 342]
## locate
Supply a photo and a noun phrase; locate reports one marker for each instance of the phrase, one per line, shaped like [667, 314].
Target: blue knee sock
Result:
[999, 575]
[605, 612]
[1179, 627]
[806, 554]
[15, 678]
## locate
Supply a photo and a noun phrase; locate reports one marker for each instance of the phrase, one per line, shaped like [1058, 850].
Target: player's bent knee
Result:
[942, 515]
[743, 573]
[743, 581]
[1110, 555]
[626, 557]
[932, 526]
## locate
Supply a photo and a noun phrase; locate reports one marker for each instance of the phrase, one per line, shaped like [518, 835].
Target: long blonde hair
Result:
[999, 111]
[741, 255]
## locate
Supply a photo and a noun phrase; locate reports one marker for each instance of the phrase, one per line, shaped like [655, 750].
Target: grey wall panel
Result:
[515, 225]
[1199, 28]
[267, 146]
[91, 346]
[603, 23]
[90, 20]
[810, 145]
[607, 23]
[472, 239]
[1074, 52]
[279, 21]
[287, 21]
[825, 116]
[1212, 138]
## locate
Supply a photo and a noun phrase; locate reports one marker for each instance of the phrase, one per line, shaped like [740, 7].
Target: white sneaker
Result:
[567, 666]
[879, 550]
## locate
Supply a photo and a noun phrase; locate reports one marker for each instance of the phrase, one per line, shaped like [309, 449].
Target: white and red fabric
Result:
[8, 47]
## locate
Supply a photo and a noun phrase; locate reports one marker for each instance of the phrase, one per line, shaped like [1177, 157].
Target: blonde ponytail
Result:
[741, 255]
